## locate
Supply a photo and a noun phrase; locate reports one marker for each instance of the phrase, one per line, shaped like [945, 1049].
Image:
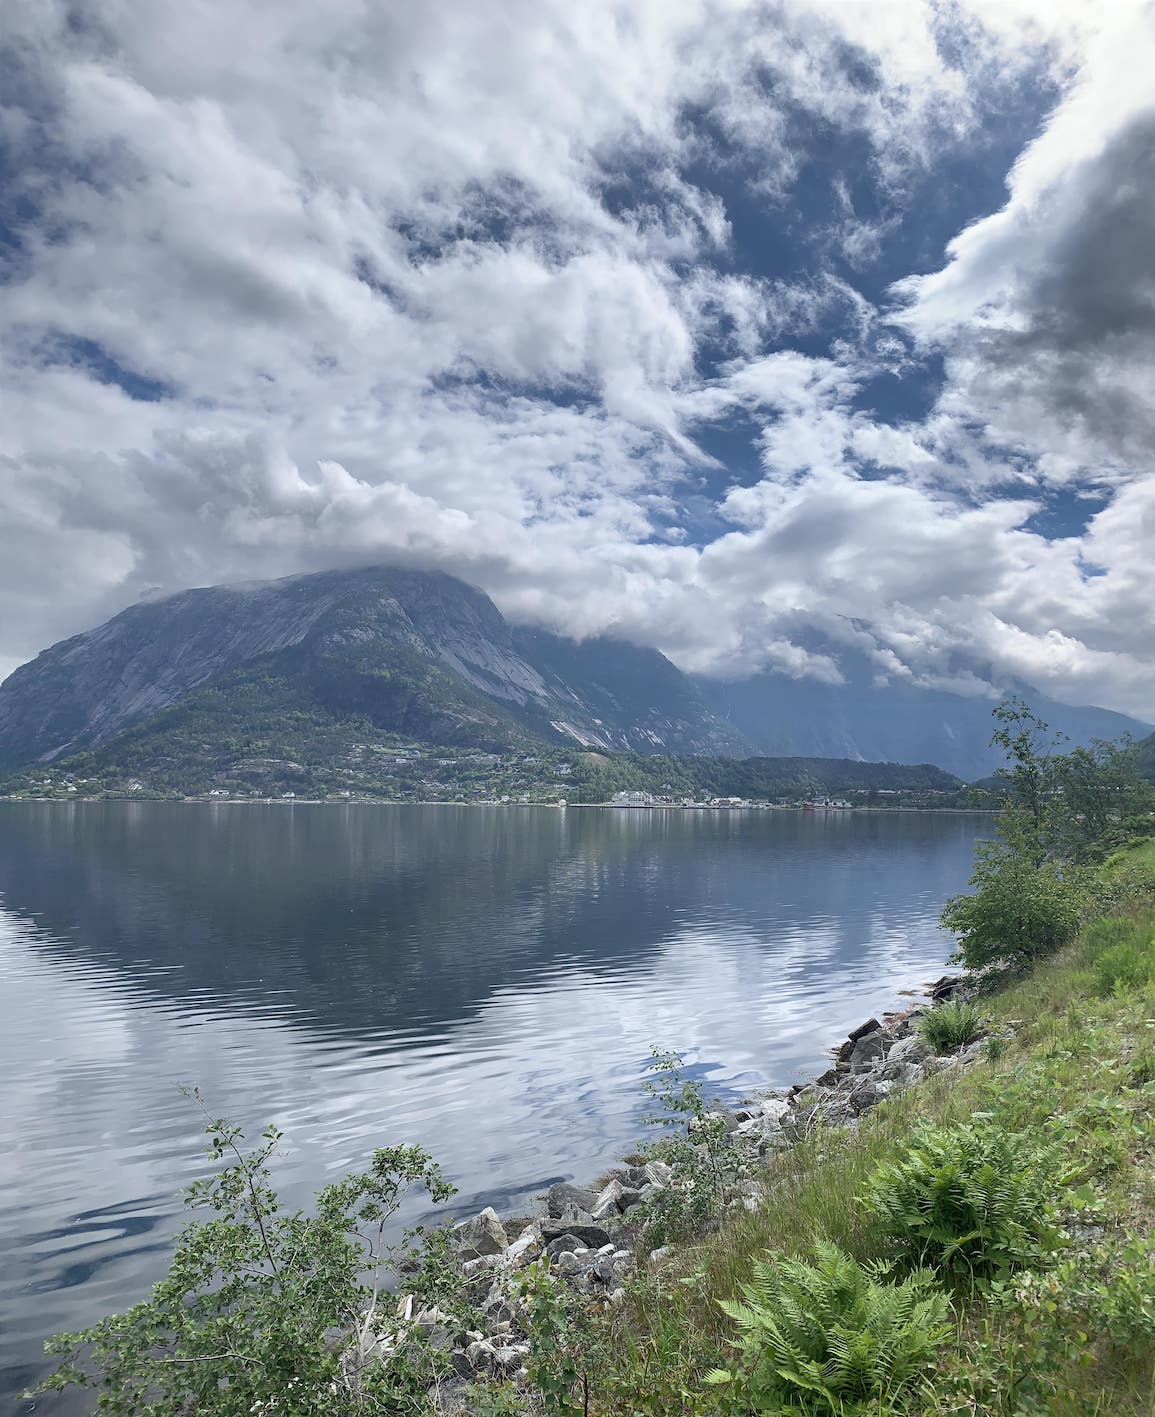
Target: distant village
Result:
[648, 799]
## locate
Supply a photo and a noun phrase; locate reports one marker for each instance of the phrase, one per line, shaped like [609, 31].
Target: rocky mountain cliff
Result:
[416, 652]
[426, 656]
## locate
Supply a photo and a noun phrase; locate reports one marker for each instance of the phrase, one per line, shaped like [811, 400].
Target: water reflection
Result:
[485, 981]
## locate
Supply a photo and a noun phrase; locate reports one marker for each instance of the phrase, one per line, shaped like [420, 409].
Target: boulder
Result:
[482, 1356]
[608, 1203]
[573, 1262]
[942, 989]
[481, 1265]
[659, 1173]
[510, 1357]
[436, 1328]
[563, 1196]
[526, 1247]
[908, 1051]
[563, 1244]
[592, 1237]
[870, 1026]
[483, 1235]
[868, 1094]
[868, 1049]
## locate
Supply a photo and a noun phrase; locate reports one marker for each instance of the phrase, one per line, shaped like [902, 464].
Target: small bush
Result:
[831, 1337]
[245, 1319]
[952, 1025]
[697, 1145]
[970, 1200]
[1019, 912]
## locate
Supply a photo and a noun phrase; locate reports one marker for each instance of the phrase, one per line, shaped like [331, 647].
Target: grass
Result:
[1077, 1071]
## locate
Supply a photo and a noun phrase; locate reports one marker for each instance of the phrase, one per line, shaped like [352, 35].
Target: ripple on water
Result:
[486, 984]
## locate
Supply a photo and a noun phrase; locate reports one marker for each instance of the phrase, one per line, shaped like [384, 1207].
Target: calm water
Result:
[487, 982]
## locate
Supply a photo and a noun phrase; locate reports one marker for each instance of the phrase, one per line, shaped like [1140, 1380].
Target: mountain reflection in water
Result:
[485, 981]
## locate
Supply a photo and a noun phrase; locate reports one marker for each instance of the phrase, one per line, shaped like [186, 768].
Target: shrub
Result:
[697, 1145]
[1019, 912]
[951, 1025]
[970, 1200]
[246, 1315]
[832, 1337]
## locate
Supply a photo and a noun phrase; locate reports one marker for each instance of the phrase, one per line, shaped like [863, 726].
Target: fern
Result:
[971, 1200]
[832, 1337]
[952, 1025]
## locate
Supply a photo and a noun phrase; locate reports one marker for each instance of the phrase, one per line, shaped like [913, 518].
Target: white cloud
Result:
[452, 284]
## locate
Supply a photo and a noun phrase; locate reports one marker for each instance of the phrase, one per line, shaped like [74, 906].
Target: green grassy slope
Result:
[1080, 1072]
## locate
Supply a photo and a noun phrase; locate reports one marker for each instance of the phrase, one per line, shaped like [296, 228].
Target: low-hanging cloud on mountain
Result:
[729, 327]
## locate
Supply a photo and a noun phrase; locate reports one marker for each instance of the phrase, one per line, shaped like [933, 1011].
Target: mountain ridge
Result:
[350, 635]
[424, 655]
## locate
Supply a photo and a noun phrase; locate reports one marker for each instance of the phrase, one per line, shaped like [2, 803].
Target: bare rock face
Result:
[332, 636]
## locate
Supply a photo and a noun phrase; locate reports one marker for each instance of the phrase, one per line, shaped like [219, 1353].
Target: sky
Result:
[767, 334]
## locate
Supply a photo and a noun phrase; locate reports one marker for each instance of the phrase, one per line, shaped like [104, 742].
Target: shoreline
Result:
[517, 806]
[593, 1236]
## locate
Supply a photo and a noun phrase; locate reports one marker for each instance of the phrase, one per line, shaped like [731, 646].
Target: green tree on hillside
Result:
[1060, 811]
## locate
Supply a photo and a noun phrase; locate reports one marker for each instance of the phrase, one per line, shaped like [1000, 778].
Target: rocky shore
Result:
[592, 1237]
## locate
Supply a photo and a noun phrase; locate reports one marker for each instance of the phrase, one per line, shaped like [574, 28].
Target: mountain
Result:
[412, 652]
[276, 674]
[892, 723]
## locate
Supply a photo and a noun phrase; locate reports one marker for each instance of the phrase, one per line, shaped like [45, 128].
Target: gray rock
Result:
[511, 1356]
[571, 1262]
[912, 1049]
[659, 1172]
[472, 1268]
[591, 1237]
[436, 1328]
[868, 1049]
[943, 989]
[526, 1247]
[852, 1038]
[575, 1215]
[498, 1307]
[563, 1195]
[481, 1356]
[628, 1198]
[868, 1094]
[451, 1397]
[607, 1203]
[484, 1234]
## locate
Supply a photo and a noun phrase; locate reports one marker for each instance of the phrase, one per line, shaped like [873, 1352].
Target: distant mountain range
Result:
[425, 656]
[891, 722]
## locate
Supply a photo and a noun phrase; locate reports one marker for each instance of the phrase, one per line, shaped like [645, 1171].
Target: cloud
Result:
[1047, 307]
[552, 298]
